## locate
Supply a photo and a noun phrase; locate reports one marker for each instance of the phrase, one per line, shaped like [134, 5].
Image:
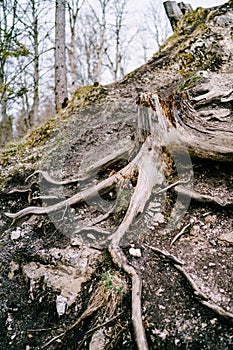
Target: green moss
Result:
[87, 94]
[83, 92]
[192, 20]
[11, 150]
[41, 134]
[21, 149]
[191, 81]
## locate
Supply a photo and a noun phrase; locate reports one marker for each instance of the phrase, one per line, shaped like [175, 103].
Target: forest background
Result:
[105, 40]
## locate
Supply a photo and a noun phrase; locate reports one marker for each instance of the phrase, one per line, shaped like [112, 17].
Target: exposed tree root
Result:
[179, 234]
[218, 310]
[203, 198]
[213, 95]
[164, 253]
[19, 191]
[120, 260]
[103, 217]
[76, 199]
[89, 172]
[202, 297]
[92, 229]
[161, 131]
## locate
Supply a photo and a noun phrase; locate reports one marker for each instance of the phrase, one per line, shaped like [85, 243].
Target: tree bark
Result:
[60, 55]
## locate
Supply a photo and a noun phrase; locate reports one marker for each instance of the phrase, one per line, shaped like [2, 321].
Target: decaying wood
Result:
[98, 301]
[165, 253]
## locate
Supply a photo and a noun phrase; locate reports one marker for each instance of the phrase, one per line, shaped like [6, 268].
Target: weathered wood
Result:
[173, 12]
[185, 8]
[176, 11]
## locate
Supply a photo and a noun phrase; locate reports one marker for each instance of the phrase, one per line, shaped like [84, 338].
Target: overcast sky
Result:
[205, 3]
[194, 3]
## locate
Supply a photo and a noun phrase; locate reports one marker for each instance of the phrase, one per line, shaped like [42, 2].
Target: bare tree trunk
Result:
[36, 65]
[5, 39]
[119, 13]
[60, 55]
[73, 9]
[100, 48]
[115, 60]
[6, 122]
[173, 12]
[100, 56]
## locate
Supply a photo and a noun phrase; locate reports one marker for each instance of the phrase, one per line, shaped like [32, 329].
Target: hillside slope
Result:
[60, 286]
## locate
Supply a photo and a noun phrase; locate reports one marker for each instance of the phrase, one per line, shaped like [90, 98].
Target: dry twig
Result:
[179, 234]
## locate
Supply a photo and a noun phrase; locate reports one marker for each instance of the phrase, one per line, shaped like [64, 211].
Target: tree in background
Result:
[100, 14]
[23, 63]
[116, 58]
[35, 36]
[155, 30]
[60, 54]
[86, 49]
[101, 46]
[10, 49]
[103, 40]
[74, 7]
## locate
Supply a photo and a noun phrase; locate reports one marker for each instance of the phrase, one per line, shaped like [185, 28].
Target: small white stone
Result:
[135, 252]
[212, 264]
[61, 303]
[16, 234]
[91, 236]
[213, 321]
[159, 218]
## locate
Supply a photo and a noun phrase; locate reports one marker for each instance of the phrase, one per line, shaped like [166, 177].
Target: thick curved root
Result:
[121, 261]
[86, 174]
[86, 194]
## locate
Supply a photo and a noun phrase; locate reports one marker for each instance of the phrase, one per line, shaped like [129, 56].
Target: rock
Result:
[226, 238]
[212, 264]
[16, 234]
[211, 219]
[74, 268]
[98, 340]
[61, 304]
[135, 252]
[162, 334]
[159, 218]
[13, 267]
[194, 230]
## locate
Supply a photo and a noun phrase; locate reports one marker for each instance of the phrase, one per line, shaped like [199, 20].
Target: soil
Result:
[42, 257]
